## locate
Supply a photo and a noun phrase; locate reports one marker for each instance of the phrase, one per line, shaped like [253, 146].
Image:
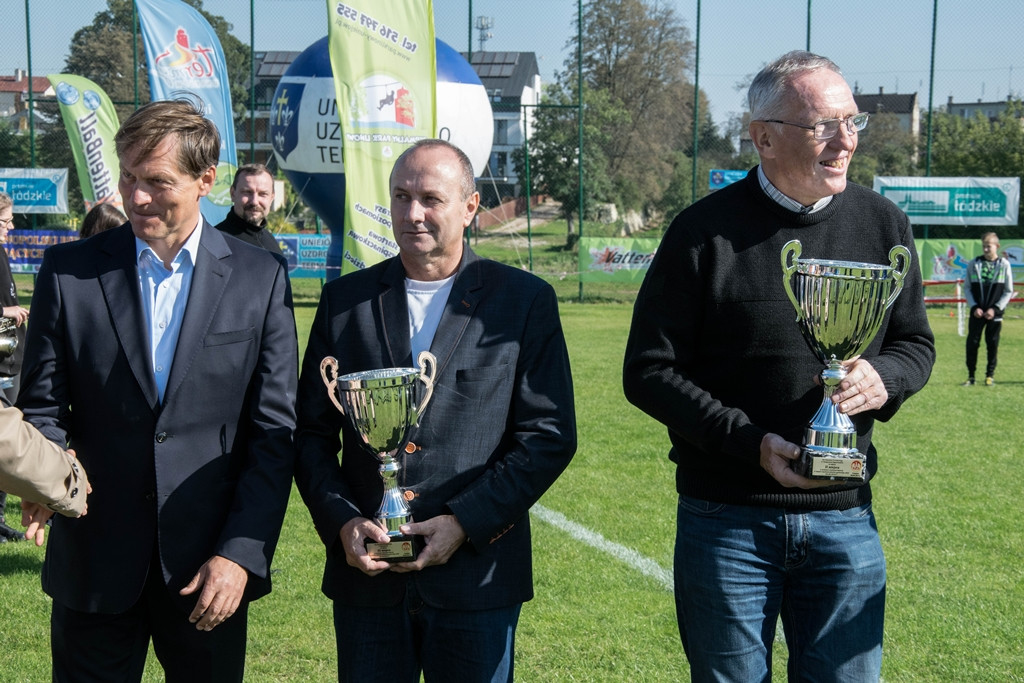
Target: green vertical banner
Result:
[382, 56]
[91, 122]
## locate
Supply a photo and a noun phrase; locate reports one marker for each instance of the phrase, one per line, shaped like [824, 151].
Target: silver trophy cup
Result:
[8, 337]
[381, 406]
[840, 306]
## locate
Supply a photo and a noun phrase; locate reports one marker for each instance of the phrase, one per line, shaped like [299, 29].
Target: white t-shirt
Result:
[426, 302]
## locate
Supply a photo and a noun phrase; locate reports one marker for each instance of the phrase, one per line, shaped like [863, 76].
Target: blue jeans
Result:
[393, 644]
[738, 568]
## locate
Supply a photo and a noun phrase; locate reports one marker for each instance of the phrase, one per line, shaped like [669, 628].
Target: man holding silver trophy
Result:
[774, 514]
[431, 579]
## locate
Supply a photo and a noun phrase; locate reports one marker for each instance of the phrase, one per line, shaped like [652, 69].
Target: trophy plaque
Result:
[840, 306]
[381, 406]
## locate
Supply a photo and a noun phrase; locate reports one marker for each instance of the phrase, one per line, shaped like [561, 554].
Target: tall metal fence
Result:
[902, 59]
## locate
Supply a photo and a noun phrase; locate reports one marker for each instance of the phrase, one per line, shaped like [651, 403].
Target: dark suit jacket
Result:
[498, 431]
[206, 473]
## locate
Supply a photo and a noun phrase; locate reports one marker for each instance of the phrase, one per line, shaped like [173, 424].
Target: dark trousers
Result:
[90, 648]
[7, 532]
[395, 644]
[991, 328]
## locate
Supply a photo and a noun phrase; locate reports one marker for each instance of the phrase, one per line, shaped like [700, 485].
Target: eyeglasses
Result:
[4, 222]
[829, 128]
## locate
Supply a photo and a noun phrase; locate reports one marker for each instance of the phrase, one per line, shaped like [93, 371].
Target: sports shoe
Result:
[968, 383]
[989, 381]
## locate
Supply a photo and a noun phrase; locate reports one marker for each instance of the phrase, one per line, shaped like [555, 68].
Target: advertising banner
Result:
[953, 201]
[383, 61]
[946, 260]
[184, 58]
[91, 122]
[306, 254]
[25, 247]
[602, 259]
[616, 259]
[36, 190]
[719, 178]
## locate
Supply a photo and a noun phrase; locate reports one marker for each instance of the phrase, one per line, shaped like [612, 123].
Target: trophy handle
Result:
[792, 249]
[426, 358]
[332, 381]
[895, 254]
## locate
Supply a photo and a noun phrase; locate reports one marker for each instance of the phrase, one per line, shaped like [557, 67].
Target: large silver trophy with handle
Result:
[381, 406]
[840, 306]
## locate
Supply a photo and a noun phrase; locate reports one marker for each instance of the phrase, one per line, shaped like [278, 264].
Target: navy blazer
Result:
[208, 472]
[497, 432]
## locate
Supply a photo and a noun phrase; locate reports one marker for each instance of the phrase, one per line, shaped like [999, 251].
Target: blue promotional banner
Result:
[185, 58]
[306, 254]
[25, 247]
[36, 190]
[719, 178]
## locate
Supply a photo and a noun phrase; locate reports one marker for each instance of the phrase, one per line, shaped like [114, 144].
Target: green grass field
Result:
[947, 500]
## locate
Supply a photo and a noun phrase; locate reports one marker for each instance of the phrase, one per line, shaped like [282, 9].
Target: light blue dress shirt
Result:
[164, 296]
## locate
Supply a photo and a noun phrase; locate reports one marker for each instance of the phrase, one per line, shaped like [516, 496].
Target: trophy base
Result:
[402, 548]
[831, 467]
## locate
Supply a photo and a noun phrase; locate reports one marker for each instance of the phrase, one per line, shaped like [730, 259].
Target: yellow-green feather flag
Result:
[91, 122]
[382, 57]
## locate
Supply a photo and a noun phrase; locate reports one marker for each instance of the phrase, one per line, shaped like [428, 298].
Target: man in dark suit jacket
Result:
[165, 354]
[497, 432]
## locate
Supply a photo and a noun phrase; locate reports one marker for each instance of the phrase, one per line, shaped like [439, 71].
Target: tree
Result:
[14, 150]
[102, 52]
[981, 147]
[638, 54]
[554, 151]
[679, 193]
[978, 146]
[638, 108]
[883, 149]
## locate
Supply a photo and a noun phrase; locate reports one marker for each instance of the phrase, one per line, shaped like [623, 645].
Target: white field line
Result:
[644, 565]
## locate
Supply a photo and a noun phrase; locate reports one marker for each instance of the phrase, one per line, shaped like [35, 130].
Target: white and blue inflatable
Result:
[307, 134]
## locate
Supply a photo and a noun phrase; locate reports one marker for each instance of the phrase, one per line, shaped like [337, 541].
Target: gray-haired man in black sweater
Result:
[715, 355]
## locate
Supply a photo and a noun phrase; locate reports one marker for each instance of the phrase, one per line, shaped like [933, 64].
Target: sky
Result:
[879, 44]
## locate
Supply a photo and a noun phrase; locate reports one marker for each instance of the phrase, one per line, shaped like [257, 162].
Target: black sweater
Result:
[247, 232]
[715, 352]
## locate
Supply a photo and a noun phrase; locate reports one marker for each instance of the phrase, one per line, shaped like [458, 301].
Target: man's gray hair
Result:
[769, 89]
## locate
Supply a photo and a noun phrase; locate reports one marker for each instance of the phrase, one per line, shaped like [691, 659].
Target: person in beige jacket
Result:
[34, 468]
